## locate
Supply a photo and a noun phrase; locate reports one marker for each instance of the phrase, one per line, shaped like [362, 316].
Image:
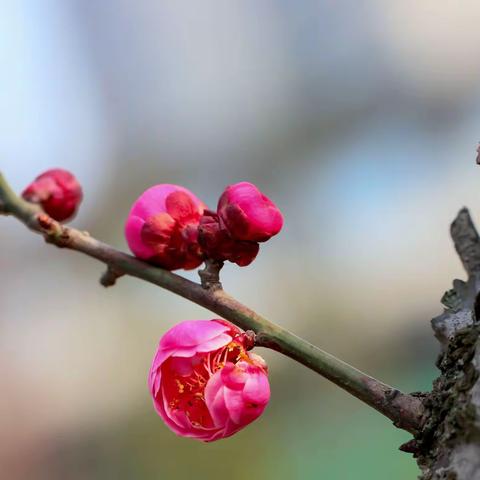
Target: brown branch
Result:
[210, 275]
[405, 410]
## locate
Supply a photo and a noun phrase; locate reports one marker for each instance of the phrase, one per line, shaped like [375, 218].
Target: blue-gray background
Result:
[359, 118]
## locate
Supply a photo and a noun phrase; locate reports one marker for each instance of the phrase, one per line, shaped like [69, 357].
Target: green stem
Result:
[405, 410]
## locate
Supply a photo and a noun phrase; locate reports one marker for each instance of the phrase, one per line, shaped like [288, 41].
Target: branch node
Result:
[210, 275]
[110, 276]
[48, 225]
[390, 395]
[250, 337]
[53, 231]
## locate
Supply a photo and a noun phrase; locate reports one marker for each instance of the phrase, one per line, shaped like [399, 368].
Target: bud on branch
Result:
[406, 411]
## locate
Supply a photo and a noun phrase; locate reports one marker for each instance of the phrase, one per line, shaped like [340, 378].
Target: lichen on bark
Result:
[448, 447]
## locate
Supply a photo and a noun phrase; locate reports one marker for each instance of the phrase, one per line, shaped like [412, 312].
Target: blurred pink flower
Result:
[248, 214]
[204, 382]
[162, 227]
[57, 191]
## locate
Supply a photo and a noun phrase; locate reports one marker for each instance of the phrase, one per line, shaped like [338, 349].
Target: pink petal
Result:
[235, 404]
[191, 333]
[214, 399]
[229, 429]
[133, 234]
[152, 200]
[155, 383]
[214, 343]
[182, 207]
[183, 352]
[257, 388]
[234, 377]
[158, 359]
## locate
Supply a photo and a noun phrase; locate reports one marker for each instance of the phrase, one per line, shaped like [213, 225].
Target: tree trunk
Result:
[448, 447]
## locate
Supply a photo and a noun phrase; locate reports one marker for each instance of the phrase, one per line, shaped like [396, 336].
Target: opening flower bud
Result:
[57, 191]
[205, 383]
[217, 243]
[248, 214]
[162, 227]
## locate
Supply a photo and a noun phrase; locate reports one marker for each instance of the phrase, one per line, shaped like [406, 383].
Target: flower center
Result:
[185, 379]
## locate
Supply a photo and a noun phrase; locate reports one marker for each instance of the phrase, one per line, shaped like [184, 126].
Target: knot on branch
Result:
[53, 231]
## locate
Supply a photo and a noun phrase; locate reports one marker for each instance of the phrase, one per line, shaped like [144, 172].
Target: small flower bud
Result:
[57, 191]
[162, 227]
[204, 383]
[217, 243]
[248, 214]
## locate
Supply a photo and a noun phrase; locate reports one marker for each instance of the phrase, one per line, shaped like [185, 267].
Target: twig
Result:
[210, 275]
[110, 276]
[405, 410]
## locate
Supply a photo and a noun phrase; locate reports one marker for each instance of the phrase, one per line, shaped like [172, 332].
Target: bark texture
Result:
[448, 447]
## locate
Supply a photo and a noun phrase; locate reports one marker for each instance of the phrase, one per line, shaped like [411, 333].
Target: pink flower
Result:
[248, 214]
[57, 191]
[204, 382]
[162, 227]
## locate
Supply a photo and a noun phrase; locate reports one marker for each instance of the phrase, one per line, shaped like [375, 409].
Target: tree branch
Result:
[406, 411]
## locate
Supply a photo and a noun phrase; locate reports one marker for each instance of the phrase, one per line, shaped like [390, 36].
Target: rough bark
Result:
[448, 447]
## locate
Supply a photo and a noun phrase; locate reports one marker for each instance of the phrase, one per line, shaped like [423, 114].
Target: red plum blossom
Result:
[162, 227]
[205, 383]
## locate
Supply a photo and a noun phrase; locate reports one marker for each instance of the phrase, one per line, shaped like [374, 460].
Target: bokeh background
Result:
[359, 118]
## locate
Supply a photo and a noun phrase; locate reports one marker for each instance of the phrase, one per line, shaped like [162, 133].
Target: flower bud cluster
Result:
[204, 380]
[169, 226]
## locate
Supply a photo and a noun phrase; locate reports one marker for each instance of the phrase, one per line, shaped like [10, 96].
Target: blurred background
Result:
[358, 118]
